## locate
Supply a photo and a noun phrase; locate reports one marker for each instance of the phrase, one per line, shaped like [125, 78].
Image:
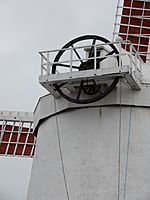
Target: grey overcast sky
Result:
[28, 26]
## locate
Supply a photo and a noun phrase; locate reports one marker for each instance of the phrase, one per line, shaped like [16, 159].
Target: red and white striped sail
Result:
[16, 134]
[133, 23]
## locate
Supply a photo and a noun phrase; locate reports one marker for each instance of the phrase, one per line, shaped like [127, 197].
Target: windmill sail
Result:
[16, 134]
[133, 23]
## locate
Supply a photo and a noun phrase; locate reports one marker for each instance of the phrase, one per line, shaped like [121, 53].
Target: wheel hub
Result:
[86, 65]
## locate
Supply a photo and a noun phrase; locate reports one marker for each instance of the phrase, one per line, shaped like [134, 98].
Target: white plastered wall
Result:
[89, 141]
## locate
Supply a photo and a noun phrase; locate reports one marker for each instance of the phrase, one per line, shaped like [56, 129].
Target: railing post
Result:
[130, 56]
[94, 59]
[41, 65]
[47, 64]
[71, 57]
[136, 65]
[140, 66]
[119, 43]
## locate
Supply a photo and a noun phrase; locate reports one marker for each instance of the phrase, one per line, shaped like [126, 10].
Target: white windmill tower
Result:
[93, 128]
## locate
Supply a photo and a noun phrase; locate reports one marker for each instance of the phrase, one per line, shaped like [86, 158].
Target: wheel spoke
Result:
[108, 54]
[68, 66]
[95, 83]
[80, 89]
[92, 48]
[76, 53]
[61, 84]
[98, 88]
[90, 90]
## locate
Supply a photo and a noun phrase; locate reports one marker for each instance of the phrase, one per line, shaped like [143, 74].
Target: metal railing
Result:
[135, 60]
[131, 58]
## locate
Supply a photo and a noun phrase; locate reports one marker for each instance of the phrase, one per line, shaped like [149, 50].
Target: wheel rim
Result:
[82, 86]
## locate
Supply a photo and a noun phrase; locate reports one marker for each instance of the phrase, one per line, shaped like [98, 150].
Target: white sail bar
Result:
[16, 134]
[133, 23]
[129, 67]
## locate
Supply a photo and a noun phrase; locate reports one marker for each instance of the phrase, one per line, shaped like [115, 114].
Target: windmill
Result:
[93, 127]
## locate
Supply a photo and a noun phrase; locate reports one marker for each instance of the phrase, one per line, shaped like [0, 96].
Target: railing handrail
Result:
[134, 56]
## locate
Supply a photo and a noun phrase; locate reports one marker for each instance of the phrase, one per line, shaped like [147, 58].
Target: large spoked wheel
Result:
[89, 90]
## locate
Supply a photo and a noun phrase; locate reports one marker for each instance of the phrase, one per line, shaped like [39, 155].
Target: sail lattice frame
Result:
[16, 134]
[133, 23]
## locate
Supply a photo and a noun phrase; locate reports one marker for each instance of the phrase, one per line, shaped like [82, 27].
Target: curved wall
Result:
[80, 151]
